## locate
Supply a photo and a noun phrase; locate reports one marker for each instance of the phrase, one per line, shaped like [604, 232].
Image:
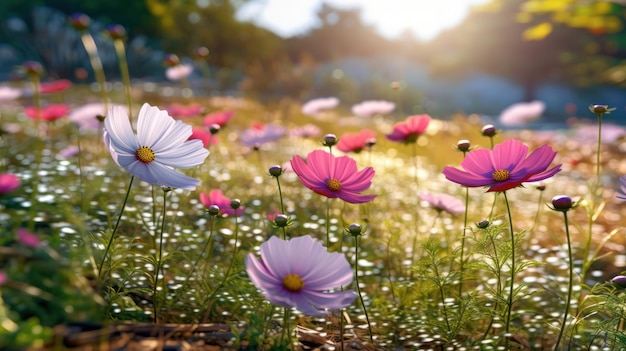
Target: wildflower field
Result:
[208, 222]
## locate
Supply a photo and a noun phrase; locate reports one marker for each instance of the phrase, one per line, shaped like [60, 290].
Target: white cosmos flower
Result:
[161, 144]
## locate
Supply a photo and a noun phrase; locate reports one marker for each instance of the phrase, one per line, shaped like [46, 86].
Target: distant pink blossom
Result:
[8, 182]
[69, 151]
[409, 130]
[588, 134]
[522, 113]
[316, 106]
[505, 167]
[8, 93]
[334, 177]
[355, 142]
[3, 278]
[306, 131]
[443, 202]
[204, 135]
[27, 238]
[371, 108]
[217, 198]
[178, 72]
[54, 86]
[177, 110]
[220, 118]
[48, 113]
[259, 134]
[89, 116]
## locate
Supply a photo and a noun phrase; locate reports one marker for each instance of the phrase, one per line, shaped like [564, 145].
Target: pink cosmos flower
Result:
[217, 198]
[178, 72]
[3, 278]
[260, 134]
[54, 86]
[27, 238]
[409, 130]
[48, 113]
[315, 106]
[180, 111]
[8, 93]
[334, 177]
[299, 273]
[443, 202]
[8, 183]
[89, 116]
[355, 142]
[220, 118]
[205, 136]
[522, 113]
[505, 167]
[622, 188]
[306, 131]
[372, 108]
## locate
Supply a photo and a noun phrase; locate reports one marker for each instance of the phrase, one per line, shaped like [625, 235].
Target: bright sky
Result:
[426, 18]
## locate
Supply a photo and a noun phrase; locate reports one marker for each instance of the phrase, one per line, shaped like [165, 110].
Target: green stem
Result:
[121, 55]
[38, 153]
[282, 206]
[208, 242]
[461, 259]
[158, 265]
[358, 288]
[328, 223]
[96, 65]
[117, 223]
[570, 283]
[511, 288]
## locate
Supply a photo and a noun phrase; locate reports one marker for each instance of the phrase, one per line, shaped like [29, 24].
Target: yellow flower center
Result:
[145, 154]
[500, 175]
[333, 184]
[293, 282]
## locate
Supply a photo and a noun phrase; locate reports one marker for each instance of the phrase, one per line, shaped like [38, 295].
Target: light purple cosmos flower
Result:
[178, 72]
[622, 188]
[299, 272]
[443, 202]
[8, 93]
[159, 145]
[87, 115]
[316, 106]
[372, 108]
[260, 134]
[306, 131]
[69, 151]
[505, 167]
[334, 177]
[522, 113]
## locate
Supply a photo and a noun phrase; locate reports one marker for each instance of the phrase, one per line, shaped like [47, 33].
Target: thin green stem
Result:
[158, 265]
[282, 206]
[117, 223]
[570, 283]
[328, 223]
[208, 243]
[498, 286]
[511, 288]
[121, 55]
[96, 65]
[358, 288]
[461, 259]
[417, 201]
[598, 153]
[34, 78]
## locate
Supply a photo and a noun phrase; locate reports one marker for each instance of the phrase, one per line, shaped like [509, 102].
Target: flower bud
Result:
[235, 204]
[167, 189]
[101, 118]
[354, 229]
[281, 220]
[599, 109]
[214, 210]
[80, 21]
[395, 85]
[33, 68]
[214, 128]
[541, 187]
[561, 203]
[171, 60]
[370, 142]
[619, 280]
[489, 130]
[276, 171]
[463, 145]
[330, 140]
[483, 224]
[115, 31]
[201, 53]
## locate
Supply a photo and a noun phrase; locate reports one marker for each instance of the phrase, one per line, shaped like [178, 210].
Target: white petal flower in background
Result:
[159, 146]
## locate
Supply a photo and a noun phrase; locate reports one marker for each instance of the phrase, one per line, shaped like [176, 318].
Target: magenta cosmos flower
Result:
[177, 110]
[54, 86]
[48, 113]
[505, 167]
[205, 136]
[220, 118]
[622, 188]
[298, 273]
[355, 142]
[217, 198]
[443, 202]
[8, 183]
[27, 238]
[334, 176]
[409, 130]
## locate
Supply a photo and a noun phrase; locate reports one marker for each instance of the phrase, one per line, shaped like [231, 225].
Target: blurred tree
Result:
[503, 40]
